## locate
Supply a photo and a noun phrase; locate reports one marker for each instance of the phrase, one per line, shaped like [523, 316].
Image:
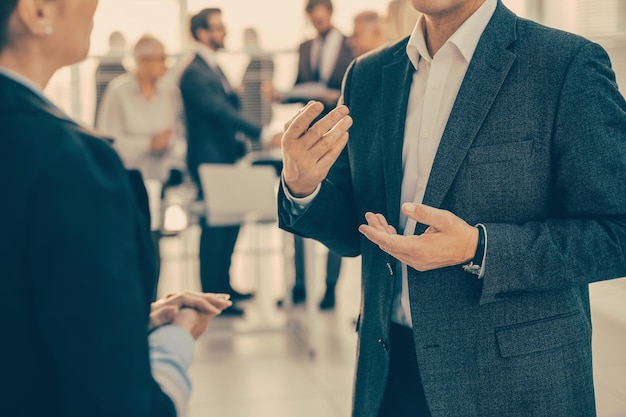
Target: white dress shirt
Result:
[330, 53]
[435, 85]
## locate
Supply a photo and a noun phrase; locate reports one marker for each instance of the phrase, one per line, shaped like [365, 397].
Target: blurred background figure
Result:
[144, 116]
[400, 20]
[256, 106]
[110, 66]
[322, 63]
[368, 33]
[323, 60]
[214, 121]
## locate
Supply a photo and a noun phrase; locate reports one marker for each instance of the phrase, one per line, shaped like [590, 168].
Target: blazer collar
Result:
[396, 82]
[20, 96]
[17, 97]
[485, 75]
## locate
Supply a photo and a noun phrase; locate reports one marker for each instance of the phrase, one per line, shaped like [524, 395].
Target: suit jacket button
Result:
[383, 345]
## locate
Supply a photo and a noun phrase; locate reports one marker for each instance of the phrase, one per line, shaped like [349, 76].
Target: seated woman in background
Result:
[144, 115]
[78, 265]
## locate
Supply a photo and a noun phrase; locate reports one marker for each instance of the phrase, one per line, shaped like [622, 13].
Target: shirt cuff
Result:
[298, 204]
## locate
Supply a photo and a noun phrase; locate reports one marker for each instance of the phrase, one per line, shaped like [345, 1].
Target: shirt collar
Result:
[465, 38]
[19, 78]
[136, 88]
[207, 54]
[331, 33]
[31, 85]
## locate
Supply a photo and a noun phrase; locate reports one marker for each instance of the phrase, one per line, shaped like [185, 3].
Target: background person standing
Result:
[213, 120]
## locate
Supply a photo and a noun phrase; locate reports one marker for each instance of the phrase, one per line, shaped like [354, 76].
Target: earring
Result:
[48, 30]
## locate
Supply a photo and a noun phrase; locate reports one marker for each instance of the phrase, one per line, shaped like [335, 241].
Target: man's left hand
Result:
[447, 241]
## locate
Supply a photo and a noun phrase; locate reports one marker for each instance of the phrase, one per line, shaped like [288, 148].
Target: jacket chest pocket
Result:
[496, 154]
[498, 181]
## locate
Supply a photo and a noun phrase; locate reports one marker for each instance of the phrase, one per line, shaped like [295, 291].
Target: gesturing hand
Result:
[309, 153]
[448, 241]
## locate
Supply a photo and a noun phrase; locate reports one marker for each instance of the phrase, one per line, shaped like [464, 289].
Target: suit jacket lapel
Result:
[487, 72]
[396, 81]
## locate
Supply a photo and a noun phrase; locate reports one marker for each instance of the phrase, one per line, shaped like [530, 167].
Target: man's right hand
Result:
[309, 153]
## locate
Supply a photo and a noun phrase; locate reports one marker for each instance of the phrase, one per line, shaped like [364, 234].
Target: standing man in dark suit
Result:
[213, 120]
[323, 59]
[487, 155]
[322, 64]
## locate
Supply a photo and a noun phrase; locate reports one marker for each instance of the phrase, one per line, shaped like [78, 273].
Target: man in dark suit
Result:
[324, 59]
[492, 151]
[322, 64]
[213, 120]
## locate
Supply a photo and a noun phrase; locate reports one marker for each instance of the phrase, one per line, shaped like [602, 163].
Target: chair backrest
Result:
[234, 194]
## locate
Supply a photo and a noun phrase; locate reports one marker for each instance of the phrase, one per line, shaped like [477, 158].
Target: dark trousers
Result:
[298, 257]
[333, 265]
[404, 395]
[216, 250]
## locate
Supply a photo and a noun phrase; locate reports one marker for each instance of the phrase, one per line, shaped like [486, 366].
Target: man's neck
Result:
[439, 28]
[324, 34]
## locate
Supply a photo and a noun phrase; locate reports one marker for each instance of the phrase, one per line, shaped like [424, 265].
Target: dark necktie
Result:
[227, 88]
[317, 71]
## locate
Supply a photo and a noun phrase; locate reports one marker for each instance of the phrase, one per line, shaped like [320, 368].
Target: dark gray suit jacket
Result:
[535, 149]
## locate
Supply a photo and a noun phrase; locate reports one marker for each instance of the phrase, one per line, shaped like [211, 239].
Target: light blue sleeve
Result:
[171, 352]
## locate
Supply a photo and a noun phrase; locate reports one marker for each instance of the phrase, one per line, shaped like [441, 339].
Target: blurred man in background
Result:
[322, 63]
[213, 120]
[368, 33]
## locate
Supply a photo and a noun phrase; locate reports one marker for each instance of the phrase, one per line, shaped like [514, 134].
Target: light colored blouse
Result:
[132, 120]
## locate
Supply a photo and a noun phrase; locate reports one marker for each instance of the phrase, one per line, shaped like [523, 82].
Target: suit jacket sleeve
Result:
[331, 217]
[86, 270]
[209, 99]
[586, 239]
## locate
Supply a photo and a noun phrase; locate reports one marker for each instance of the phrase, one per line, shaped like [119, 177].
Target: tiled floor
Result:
[271, 364]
